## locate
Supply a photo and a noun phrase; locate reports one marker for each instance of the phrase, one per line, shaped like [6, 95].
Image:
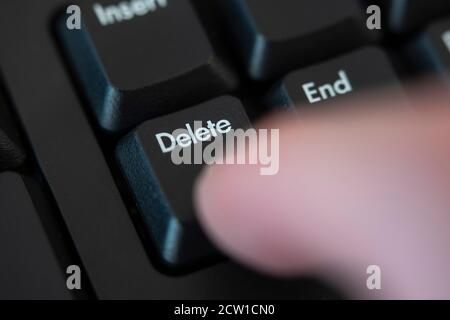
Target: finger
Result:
[353, 190]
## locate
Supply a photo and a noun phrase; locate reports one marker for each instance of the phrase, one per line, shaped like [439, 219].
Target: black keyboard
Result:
[87, 115]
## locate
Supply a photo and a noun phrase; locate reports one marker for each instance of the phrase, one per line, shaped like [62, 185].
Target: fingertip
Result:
[216, 212]
[230, 210]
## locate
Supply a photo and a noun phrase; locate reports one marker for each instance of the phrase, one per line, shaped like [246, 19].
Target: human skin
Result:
[356, 187]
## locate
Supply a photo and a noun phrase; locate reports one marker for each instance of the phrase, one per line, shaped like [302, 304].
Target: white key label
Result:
[329, 90]
[189, 136]
[126, 10]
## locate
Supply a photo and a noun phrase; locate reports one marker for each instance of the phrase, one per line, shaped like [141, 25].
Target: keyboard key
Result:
[432, 50]
[29, 268]
[406, 16]
[162, 189]
[141, 59]
[10, 155]
[346, 76]
[274, 37]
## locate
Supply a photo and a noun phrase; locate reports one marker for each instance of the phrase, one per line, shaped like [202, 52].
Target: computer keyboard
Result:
[29, 261]
[346, 76]
[10, 156]
[149, 170]
[432, 48]
[408, 16]
[121, 82]
[11, 153]
[270, 38]
[86, 121]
